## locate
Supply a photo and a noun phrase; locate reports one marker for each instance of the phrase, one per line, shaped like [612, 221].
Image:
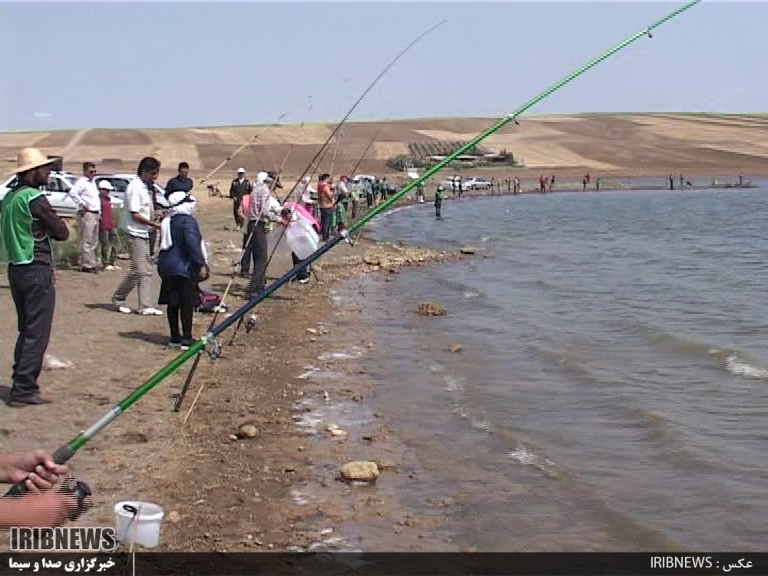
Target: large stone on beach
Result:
[247, 431]
[360, 471]
[431, 309]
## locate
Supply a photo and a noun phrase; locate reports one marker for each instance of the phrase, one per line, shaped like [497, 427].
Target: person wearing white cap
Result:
[306, 195]
[107, 228]
[85, 195]
[27, 225]
[240, 187]
[264, 208]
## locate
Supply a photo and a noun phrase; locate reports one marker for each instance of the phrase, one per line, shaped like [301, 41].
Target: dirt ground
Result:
[218, 493]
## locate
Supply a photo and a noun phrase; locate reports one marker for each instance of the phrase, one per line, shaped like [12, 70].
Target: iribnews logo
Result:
[69, 539]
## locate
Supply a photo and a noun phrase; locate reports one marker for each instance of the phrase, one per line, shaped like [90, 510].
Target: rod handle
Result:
[61, 456]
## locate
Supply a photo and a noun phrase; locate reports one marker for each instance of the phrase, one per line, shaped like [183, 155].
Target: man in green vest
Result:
[27, 225]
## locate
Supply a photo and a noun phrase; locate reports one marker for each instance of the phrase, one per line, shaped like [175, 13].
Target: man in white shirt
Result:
[138, 221]
[86, 196]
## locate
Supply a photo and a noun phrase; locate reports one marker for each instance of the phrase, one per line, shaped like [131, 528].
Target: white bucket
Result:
[144, 522]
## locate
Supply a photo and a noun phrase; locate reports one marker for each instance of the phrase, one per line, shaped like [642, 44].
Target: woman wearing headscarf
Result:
[182, 263]
[306, 195]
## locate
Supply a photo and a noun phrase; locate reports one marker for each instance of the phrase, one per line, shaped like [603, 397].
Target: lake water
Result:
[612, 390]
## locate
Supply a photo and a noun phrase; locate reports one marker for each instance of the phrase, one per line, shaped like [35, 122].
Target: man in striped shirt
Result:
[261, 212]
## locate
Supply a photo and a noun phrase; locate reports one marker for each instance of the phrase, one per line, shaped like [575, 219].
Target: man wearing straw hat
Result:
[27, 224]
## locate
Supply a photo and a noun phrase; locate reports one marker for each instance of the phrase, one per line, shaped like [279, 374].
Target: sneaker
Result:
[150, 312]
[174, 344]
[120, 305]
[89, 270]
[303, 280]
[185, 344]
[109, 268]
[116, 267]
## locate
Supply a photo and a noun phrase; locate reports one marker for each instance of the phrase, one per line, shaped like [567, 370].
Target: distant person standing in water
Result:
[741, 179]
[597, 184]
[552, 183]
[671, 182]
[682, 182]
[438, 200]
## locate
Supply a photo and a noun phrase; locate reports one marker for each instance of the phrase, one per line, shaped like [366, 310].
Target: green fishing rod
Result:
[65, 452]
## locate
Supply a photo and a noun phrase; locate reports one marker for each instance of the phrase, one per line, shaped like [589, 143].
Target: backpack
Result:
[210, 302]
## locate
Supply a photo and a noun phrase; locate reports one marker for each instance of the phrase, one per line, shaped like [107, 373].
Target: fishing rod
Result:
[182, 394]
[323, 149]
[180, 397]
[67, 451]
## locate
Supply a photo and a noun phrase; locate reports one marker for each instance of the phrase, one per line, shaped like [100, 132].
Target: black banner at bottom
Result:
[388, 564]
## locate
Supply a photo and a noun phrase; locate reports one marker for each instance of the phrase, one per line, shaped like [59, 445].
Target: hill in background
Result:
[608, 144]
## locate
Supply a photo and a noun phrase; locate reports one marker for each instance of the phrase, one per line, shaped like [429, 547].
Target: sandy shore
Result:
[219, 493]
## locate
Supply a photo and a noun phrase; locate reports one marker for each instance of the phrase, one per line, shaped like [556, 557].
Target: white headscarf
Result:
[180, 203]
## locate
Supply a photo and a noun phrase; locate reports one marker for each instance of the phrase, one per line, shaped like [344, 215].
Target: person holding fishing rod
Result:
[39, 507]
[182, 263]
[263, 210]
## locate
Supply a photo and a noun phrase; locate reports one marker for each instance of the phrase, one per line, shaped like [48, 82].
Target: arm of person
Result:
[39, 472]
[76, 193]
[55, 227]
[134, 206]
[193, 239]
[44, 510]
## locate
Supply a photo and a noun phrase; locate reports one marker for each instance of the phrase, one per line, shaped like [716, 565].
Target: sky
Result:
[166, 65]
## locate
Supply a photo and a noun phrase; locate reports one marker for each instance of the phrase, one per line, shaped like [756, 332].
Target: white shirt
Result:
[138, 199]
[85, 195]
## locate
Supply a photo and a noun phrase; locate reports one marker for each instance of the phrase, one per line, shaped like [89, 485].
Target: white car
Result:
[448, 183]
[477, 183]
[120, 183]
[57, 192]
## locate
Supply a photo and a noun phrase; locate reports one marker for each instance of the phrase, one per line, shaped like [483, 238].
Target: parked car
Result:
[57, 192]
[448, 183]
[120, 183]
[477, 183]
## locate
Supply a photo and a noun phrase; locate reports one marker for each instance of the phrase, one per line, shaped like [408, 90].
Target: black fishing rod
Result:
[68, 450]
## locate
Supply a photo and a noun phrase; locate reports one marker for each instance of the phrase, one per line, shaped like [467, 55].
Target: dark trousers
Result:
[185, 313]
[256, 251]
[326, 219]
[303, 272]
[152, 240]
[109, 246]
[34, 295]
[236, 201]
[438, 206]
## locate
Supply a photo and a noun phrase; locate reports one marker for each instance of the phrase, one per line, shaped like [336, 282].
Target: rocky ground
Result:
[246, 471]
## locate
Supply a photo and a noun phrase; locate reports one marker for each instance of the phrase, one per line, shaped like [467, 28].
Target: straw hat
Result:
[31, 158]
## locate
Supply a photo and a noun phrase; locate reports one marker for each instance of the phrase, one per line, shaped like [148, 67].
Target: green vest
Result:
[18, 244]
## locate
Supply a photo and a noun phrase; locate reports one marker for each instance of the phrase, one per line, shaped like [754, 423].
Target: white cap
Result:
[105, 185]
[240, 170]
[262, 177]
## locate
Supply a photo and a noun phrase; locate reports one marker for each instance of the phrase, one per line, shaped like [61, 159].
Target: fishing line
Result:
[220, 307]
[66, 451]
[323, 148]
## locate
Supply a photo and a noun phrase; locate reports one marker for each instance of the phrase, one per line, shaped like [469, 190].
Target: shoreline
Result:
[278, 491]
